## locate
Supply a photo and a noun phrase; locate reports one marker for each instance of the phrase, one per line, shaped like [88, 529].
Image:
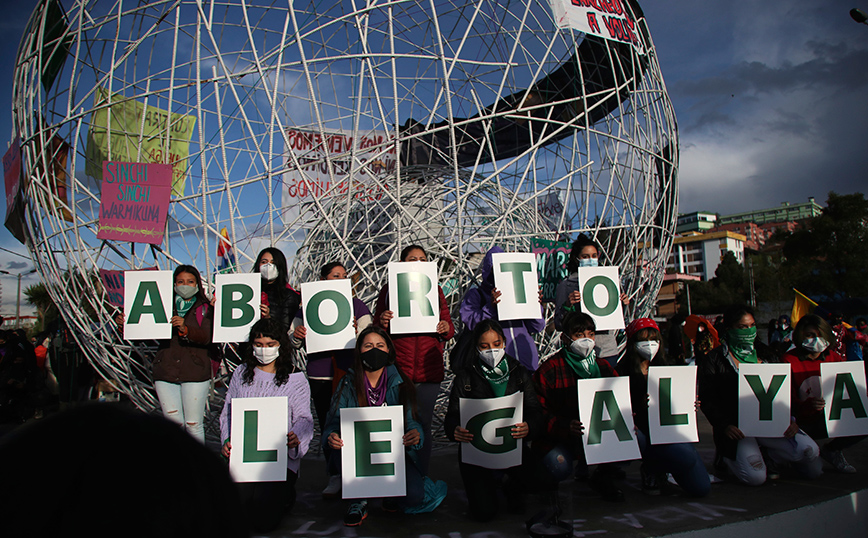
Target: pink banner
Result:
[135, 201]
[113, 282]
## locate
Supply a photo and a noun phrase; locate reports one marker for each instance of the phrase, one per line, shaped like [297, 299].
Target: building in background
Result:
[699, 254]
[698, 221]
[784, 213]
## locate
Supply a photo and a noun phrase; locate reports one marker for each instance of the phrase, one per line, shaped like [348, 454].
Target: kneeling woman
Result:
[717, 377]
[267, 370]
[644, 349]
[374, 380]
[492, 374]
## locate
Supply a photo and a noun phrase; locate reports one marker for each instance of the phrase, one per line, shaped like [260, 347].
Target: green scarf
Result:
[497, 376]
[584, 367]
[741, 344]
[182, 306]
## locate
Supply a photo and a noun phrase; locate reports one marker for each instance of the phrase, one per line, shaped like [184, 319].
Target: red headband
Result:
[639, 324]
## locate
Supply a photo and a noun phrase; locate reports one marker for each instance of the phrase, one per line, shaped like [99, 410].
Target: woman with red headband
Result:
[644, 349]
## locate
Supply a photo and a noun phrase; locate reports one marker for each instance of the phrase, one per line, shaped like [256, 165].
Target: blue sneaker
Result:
[356, 514]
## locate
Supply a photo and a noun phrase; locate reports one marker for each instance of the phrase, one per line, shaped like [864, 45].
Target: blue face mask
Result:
[588, 262]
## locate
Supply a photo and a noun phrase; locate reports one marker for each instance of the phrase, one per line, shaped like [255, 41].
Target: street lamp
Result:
[18, 301]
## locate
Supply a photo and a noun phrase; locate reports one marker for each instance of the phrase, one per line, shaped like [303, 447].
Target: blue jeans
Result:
[184, 403]
[681, 460]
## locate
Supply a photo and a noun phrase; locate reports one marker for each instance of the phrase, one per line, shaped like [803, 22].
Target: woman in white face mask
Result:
[493, 373]
[268, 371]
[279, 300]
[645, 349]
[811, 338]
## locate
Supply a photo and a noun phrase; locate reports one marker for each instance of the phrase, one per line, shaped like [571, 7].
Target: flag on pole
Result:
[225, 254]
[802, 305]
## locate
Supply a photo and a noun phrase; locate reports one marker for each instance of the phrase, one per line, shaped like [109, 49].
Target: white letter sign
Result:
[516, 278]
[237, 306]
[490, 420]
[148, 305]
[605, 412]
[258, 436]
[601, 296]
[763, 399]
[671, 405]
[846, 404]
[372, 458]
[413, 297]
[327, 310]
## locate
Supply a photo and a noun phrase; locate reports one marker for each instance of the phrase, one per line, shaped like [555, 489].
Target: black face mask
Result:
[374, 359]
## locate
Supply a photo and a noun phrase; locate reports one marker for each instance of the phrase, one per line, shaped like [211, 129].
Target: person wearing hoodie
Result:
[584, 253]
[480, 303]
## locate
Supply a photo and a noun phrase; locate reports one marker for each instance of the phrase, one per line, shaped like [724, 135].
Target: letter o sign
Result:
[590, 302]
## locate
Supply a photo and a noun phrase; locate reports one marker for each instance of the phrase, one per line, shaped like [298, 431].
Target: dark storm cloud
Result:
[17, 265]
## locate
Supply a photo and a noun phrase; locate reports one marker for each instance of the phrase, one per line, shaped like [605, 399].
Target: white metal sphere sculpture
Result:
[338, 131]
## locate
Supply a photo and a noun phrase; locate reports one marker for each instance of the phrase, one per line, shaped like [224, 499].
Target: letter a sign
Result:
[147, 305]
[763, 399]
[605, 412]
[413, 297]
[844, 391]
[258, 436]
[490, 420]
[372, 458]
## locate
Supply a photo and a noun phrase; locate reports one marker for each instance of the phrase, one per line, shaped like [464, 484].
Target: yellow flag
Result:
[802, 305]
[138, 134]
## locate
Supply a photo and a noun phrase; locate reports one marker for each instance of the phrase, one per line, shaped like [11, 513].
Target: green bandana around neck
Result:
[497, 376]
[584, 367]
[182, 306]
[741, 344]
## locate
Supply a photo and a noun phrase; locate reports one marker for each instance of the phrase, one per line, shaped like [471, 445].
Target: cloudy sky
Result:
[771, 98]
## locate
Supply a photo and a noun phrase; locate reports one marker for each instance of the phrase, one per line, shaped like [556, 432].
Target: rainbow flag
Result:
[225, 254]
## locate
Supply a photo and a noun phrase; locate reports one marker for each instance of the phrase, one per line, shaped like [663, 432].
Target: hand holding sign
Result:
[516, 279]
[491, 425]
[148, 305]
[413, 298]
[237, 306]
[844, 388]
[328, 315]
[599, 290]
[763, 399]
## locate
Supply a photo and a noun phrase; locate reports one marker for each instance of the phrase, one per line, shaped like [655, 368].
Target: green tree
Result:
[829, 256]
[46, 311]
[729, 286]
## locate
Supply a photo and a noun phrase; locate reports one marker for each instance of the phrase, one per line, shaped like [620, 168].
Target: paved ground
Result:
[639, 516]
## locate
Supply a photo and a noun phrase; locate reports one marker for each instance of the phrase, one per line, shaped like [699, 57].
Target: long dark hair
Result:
[269, 328]
[200, 295]
[407, 391]
[632, 361]
[581, 242]
[279, 261]
[733, 315]
[483, 327]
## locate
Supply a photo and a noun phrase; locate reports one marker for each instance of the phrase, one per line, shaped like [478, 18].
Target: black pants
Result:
[481, 485]
[265, 503]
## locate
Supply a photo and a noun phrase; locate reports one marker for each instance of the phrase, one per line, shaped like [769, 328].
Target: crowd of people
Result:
[495, 358]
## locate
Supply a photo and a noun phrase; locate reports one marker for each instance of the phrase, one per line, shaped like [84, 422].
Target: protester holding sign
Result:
[325, 369]
[812, 338]
[493, 373]
[555, 384]
[267, 371]
[182, 366]
[645, 349]
[420, 356]
[480, 303]
[717, 377]
[279, 300]
[376, 380]
[568, 298]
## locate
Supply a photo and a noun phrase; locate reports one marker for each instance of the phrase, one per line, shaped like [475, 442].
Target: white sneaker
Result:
[333, 490]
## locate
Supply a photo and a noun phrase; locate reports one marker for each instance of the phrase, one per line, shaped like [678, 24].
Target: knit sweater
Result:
[297, 392]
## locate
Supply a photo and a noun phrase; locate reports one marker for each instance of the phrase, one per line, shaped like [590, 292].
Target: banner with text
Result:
[609, 19]
[844, 390]
[551, 264]
[327, 308]
[672, 413]
[148, 305]
[490, 420]
[258, 437]
[325, 166]
[516, 278]
[138, 133]
[372, 458]
[237, 307]
[763, 399]
[600, 288]
[134, 202]
[605, 413]
[413, 297]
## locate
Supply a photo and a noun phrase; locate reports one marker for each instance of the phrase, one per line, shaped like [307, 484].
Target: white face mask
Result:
[589, 262]
[647, 349]
[266, 355]
[817, 344]
[491, 357]
[268, 271]
[582, 346]
[185, 292]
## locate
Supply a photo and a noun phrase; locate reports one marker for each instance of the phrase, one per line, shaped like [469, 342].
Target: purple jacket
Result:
[476, 306]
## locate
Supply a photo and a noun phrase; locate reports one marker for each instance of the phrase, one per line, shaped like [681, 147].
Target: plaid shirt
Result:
[555, 384]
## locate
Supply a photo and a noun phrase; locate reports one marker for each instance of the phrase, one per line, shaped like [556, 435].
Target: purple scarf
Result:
[376, 395]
